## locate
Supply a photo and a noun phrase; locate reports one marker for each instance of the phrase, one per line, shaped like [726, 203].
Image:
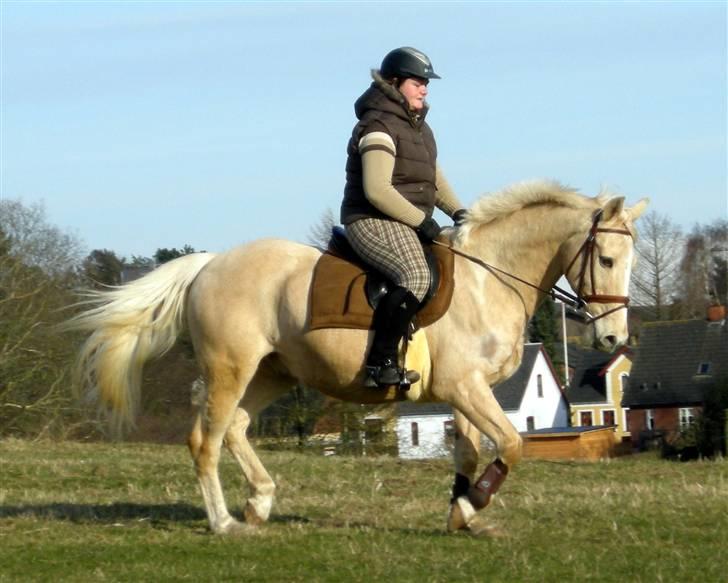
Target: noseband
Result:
[586, 252]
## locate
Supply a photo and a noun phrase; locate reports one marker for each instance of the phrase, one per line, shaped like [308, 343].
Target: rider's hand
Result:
[429, 229]
[459, 216]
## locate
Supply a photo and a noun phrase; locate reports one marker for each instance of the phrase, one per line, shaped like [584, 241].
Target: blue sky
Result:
[157, 124]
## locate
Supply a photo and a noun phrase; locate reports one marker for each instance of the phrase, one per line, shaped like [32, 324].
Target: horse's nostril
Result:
[610, 341]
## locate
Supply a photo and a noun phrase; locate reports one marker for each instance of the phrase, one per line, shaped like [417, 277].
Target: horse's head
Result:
[598, 268]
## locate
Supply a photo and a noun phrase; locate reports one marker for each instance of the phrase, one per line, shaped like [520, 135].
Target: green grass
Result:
[132, 512]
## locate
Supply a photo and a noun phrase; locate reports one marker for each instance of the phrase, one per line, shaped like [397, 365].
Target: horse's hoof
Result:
[252, 518]
[233, 527]
[480, 530]
[460, 515]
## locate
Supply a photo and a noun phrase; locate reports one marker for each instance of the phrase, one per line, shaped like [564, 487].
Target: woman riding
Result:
[393, 184]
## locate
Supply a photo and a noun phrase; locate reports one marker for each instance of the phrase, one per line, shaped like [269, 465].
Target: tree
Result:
[163, 255]
[35, 360]
[654, 280]
[103, 267]
[320, 233]
[543, 328]
[35, 242]
[703, 268]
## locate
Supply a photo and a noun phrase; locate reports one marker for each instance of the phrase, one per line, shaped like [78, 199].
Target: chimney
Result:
[716, 313]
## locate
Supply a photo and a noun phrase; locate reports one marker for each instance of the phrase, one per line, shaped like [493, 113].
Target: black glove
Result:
[459, 216]
[429, 229]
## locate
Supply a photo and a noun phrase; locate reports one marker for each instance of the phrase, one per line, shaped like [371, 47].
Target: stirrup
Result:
[389, 374]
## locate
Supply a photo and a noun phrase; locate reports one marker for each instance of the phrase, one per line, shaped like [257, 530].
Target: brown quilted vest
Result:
[381, 109]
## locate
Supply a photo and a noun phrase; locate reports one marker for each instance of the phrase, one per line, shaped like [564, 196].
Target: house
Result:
[597, 381]
[531, 398]
[677, 363]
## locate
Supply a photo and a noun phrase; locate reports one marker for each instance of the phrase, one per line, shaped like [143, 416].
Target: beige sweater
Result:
[378, 154]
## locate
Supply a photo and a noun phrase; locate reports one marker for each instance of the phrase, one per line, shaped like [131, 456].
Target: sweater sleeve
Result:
[445, 198]
[377, 158]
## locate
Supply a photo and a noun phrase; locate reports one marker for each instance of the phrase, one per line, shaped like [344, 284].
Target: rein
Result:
[580, 299]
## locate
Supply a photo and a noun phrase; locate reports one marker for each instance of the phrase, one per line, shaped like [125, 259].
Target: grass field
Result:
[132, 512]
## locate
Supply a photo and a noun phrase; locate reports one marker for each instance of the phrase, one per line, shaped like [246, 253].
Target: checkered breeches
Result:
[394, 249]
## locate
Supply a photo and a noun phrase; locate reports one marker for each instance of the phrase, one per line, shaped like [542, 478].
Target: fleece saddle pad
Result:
[339, 299]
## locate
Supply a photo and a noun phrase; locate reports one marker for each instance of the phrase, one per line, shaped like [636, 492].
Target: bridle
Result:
[586, 252]
[581, 298]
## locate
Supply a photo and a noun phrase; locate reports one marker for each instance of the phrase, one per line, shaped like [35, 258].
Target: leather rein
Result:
[580, 299]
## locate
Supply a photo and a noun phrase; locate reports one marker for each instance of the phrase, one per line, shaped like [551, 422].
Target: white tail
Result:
[129, 325]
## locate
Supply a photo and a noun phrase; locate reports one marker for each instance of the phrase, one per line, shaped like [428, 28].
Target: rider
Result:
[393, 183]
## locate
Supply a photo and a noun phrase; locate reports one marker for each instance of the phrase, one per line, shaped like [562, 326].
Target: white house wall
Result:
[550, 410]
[431, 431]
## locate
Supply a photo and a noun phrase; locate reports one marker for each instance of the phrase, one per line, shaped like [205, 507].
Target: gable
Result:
[510, 392]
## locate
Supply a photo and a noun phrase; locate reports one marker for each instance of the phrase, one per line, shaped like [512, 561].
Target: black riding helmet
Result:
[407, 62]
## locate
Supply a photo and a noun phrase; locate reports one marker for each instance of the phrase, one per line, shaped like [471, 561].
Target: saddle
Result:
[345, 291]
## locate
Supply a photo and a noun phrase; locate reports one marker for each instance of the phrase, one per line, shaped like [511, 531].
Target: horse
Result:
[246, 311]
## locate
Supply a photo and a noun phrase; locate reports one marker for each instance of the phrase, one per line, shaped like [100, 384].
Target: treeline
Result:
[42, 271]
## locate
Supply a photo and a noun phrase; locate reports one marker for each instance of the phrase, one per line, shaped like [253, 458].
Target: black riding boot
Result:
[391, 323]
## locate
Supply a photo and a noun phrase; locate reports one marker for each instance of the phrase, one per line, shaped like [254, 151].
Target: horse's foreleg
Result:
[479, 412]
[467, 448]
[263, 390]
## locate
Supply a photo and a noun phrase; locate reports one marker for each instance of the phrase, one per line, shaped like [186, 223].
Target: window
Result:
[539, 385]
[686, 418]
[530, 424]
[623, 380]
[608, 417]
[585, 418]
[415, 434]
[704, 368]
[649, 419]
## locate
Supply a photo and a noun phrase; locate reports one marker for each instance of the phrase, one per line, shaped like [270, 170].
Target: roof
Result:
[551, 431]
[666, 366]
[588, 383]
[410, 409]
[509, 393]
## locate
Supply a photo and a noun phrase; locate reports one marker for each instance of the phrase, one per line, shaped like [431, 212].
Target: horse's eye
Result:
[606, 261]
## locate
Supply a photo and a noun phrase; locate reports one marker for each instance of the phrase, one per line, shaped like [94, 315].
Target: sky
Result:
[142, 125]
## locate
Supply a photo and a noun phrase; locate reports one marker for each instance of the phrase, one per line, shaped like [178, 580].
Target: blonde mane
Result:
[491, 207]
[522, 194]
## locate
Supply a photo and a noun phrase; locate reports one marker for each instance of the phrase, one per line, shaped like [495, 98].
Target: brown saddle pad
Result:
[338, 298]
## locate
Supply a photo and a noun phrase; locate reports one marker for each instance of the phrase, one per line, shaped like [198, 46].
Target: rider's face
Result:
[414, 90]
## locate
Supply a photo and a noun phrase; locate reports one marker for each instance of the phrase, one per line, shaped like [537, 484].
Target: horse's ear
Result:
[639, 208]
[613, 208]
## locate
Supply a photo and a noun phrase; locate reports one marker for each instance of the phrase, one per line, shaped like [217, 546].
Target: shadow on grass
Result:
[106, 512]
[159, 514]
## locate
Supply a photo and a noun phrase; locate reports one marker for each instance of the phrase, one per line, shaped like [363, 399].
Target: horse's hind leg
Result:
[225, 387]
[263, 390]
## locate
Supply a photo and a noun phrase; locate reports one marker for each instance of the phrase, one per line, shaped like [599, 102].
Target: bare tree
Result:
[703, 269]
[38, 268]
[654, 281]
[35, 242]
[320, 233]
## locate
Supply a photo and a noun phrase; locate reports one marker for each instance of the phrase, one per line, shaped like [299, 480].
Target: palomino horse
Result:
[247, 314]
